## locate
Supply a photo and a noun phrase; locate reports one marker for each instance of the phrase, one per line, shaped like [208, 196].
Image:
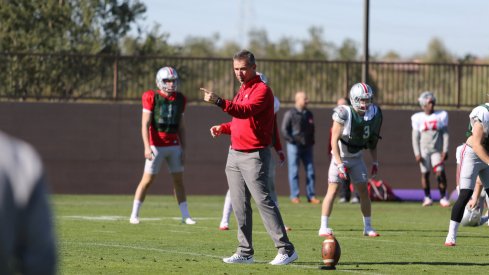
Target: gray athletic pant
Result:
[247, 174]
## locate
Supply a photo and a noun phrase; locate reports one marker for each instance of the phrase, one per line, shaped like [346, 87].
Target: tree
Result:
[348, 50]
[315, 47]
[437, 52]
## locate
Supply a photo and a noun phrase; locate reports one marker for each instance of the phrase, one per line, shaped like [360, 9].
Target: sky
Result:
[404, 26]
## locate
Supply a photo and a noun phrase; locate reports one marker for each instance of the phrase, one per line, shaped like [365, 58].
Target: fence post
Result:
[116, 80]
[347, 78]
[459, 84]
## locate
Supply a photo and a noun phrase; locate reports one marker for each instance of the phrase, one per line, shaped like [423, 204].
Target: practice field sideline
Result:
[95, 237]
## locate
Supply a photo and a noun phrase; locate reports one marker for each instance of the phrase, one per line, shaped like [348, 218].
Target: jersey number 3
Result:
[366, 132]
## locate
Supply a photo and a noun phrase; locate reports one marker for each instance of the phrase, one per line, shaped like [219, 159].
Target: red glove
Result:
[342, 171]
[281, 156]
[375, 169]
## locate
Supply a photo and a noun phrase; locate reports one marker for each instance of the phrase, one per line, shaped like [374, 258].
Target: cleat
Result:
[370, 232]
[238, 259]
[134, 220]
[444, 202]
[283, 259]
[450, 241]
[342, 200]
[427, 201]
[188, 221]
[354, 200]
[295, 200]
[288, 228]
[324, 232]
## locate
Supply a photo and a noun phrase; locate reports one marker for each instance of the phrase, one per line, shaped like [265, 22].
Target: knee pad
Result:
[459, 206]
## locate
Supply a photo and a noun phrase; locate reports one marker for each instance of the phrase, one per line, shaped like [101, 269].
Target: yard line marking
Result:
[194, 254]
[120, 218]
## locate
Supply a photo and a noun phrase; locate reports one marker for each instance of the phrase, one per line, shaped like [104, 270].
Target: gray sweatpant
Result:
[247, 175]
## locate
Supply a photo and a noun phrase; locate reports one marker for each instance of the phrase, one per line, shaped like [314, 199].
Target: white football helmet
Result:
[425, 98]
[167, 73]
[472, 217]
[361, 96]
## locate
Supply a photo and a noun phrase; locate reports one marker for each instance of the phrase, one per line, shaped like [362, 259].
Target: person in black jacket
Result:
[298, 130]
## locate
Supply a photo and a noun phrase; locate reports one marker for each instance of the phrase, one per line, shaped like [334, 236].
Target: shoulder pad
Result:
[341, 114]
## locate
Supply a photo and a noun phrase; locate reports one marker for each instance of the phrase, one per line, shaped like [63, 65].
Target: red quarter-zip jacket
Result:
[252, 111]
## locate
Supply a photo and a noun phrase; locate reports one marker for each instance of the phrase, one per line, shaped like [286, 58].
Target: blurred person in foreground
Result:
[298, 130]
[163, 134]
[430, 145]
[355, 128]
[247, 167]
[27, 241]
[474, 161]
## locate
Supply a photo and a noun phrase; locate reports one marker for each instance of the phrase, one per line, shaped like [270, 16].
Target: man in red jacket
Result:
[248, 160]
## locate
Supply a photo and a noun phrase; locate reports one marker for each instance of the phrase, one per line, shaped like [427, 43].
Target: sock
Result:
[184, 209]
[136, 205]
[227, 209]
[367, 222]
[324, 221]
[427, 192]
[453, 228]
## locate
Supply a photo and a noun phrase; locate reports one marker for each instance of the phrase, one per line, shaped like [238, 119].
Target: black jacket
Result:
[298, 127]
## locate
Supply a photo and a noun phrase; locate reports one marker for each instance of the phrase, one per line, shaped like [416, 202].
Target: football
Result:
[331, 251]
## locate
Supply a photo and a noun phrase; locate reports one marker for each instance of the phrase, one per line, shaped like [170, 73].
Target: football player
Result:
[474, 160]
[355, 128]
[163, 138]
[430, 146]
[477, 203]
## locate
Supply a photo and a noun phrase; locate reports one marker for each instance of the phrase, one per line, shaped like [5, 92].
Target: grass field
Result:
[95, 237]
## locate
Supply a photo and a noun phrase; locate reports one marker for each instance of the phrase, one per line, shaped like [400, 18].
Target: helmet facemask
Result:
[167, 79]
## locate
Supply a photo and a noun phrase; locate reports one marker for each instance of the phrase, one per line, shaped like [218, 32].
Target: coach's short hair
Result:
[245, 54]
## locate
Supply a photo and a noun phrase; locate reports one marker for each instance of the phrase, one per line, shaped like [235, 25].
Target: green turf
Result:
[95, 237]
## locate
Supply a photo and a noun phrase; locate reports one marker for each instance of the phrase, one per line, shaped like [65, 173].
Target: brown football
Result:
[331, 251]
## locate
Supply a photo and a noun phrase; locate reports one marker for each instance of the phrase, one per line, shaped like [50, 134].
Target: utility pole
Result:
[366, 11]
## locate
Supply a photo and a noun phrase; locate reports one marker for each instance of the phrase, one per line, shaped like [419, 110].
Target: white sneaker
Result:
[342, 200]
[427, 201]
[444, 202]
[283, 259]
[238, 259]
[134, 220]
[450, 240]
[370, 232]
[325, 231]
[188, 221]
[354, 200]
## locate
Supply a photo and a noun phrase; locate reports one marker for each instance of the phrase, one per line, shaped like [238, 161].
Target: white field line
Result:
[197, 254]
[123, 218]
[379, 239]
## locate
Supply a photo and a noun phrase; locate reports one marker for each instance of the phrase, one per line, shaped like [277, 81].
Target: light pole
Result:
[366, 11]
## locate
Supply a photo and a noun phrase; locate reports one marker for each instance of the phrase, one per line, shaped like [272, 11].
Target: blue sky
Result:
[405, 26]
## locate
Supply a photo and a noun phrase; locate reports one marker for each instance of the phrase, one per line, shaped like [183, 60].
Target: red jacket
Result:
[253, 118]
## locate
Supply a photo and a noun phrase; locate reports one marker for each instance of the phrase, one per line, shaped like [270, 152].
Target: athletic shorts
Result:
[356, 170]
[472, 166]
[171, 154]
[431, 161]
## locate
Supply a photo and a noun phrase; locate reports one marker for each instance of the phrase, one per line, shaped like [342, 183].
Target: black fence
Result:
[66, 77]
